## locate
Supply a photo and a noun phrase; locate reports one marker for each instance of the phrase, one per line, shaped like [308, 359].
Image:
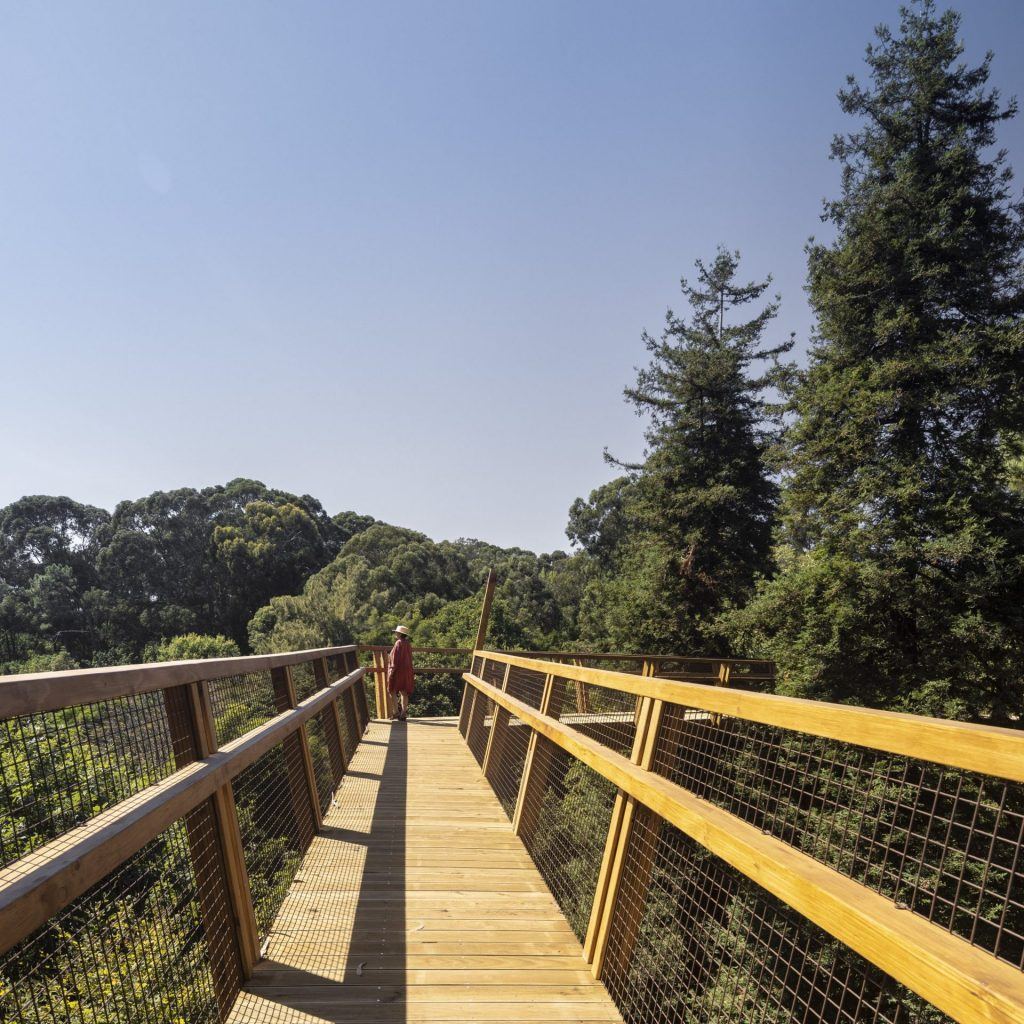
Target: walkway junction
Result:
[595, 838]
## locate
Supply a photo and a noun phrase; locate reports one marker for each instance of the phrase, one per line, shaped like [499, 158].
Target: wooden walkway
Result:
[417, 903]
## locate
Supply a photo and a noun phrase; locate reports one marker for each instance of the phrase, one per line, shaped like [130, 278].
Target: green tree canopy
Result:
[688, 531]
[904, 584]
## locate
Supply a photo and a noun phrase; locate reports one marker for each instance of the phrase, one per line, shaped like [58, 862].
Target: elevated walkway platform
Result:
[417, 903]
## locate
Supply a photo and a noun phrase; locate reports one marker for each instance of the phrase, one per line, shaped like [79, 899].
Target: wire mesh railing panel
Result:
[276, 823]
[605, 715]
[370, 692]
[477, 665]
[480, 716]
[321, 758]
[751, 676]
[304, 680]
[494, 672]
[241, 703]
[947, 844]
[135, 948]
[508, 755]
[693, 940]
[60, 768]
[526, 684]
[564, 822]
[335, 751]
[348, 709]
[348, 740]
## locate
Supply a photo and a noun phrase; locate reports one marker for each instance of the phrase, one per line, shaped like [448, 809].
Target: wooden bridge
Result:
[242, 840]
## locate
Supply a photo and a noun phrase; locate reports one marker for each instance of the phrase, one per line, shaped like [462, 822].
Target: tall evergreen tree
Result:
[904, 581]
[701, 503]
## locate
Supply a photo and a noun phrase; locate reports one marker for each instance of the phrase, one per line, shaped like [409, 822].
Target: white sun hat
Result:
[402, 629]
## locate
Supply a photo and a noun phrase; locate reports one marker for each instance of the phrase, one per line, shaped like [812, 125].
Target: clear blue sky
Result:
[398, 256]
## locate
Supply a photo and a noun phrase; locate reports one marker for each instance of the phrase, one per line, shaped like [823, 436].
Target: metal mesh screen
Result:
[304, 680]
[59, 768]
[479, 723]
[494, 672]
[321, 757]
[149, 943]
[566, 813]
[694, 940]
[329, 722]
[755, 676]
[348, 709]
[276, 823]
[508, 754]
[607, 716]
[348, 741]
[943, 842]
[240, 703]
[525, 684]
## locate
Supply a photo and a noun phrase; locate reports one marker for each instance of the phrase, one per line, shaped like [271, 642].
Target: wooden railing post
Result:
[207, 850]
[624, 812]
[331, 726]
[499, 730]
[301, 778]
[222, 882]
[534, 776]
[485, 611]
[380, 675]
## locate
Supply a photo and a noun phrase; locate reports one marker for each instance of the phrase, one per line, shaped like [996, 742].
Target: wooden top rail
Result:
[38, 885]
[752, 668]
[384, 648]
[51, 691]
[988, 749]
[961, 980]
[759, 665]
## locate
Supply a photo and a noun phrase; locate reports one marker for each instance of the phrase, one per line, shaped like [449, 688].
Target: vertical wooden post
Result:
[485, 611]
[232, 854]
[499, 729]
[302, 782]
[330, 724]
[624, 813]
[469, 695]
[191, 742]
[380, 673]
[535, 776]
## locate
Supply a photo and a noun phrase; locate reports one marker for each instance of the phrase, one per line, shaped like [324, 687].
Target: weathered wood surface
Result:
[417, 903]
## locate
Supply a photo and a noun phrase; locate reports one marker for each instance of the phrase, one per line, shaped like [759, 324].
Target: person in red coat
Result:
[400, 672]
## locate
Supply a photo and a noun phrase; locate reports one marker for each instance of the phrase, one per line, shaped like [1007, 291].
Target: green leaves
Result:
[906, 583]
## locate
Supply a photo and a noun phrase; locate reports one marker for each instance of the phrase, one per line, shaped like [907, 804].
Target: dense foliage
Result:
[100, 587]
[903, 537]
[689, 530]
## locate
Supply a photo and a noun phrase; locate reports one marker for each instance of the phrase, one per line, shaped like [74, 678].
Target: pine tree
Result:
[904, 569]
[702, 502]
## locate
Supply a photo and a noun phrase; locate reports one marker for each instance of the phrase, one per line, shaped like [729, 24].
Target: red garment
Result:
[400, 667]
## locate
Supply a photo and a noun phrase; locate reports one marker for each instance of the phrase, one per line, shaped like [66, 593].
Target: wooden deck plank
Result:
[418, 903]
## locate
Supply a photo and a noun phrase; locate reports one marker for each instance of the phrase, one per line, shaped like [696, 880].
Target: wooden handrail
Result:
[51, 691]
[44, 881]
[958, 978]
[988, 749]
[763, 665]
